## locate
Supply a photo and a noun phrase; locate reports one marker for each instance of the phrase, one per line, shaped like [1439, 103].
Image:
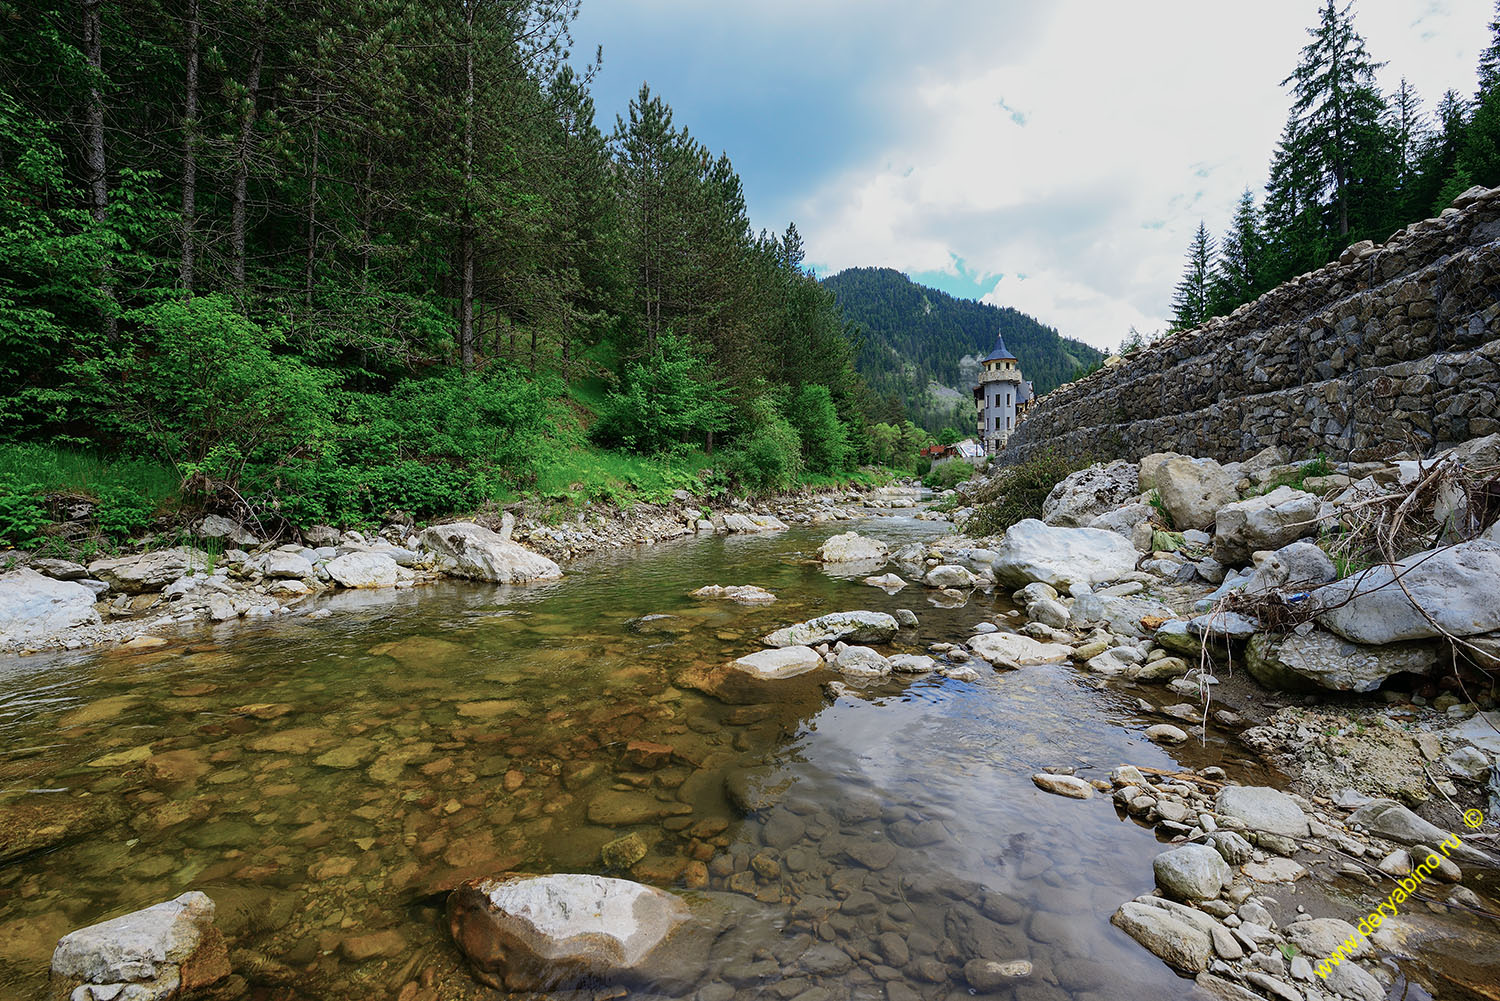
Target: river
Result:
[325, 781]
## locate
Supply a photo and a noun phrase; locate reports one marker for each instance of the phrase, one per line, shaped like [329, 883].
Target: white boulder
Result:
[1321, 660]
[146, 572]
[854, 627]
[950, 575]
[779, 663]
[748, 523]
[464, 549]
[363, 570]
[851, 547]
[531, 933]
[1014, 650]
[1035, 551]
[166, 951]
[744, 594]
[861, 662]
[1084, 495]
[1269, 521]
[1193, 490]
[1440, 590]
[35, 608]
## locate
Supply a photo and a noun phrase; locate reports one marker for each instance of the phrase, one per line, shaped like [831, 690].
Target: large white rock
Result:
[1123, 520]
[779, 663]
[853, 627]
[1033, 550]
[147, 572]
[532, 933]
[1300, 565]
[950, 575]
[465, 549]
[861, 662]
[1014, 650]
[1301, 663]
[166, 951]
[1453, 588]
[851, 547]
[1176, 937]
[1263, 809]
[216, 526]
[1269, 521]
[1193, 490]
[288, 566]
[1390, 819]
[35, 608]
[1150, 465]
[1084, 495]
[1191, 872]
[363, 570]
[752, 523]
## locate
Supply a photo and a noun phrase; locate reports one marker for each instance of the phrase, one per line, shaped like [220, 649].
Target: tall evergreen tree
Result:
[1239, 270]
[1479, 156]
[1489, 59]
[1190, 301]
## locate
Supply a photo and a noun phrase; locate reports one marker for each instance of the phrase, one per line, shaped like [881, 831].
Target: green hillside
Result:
[923, 346]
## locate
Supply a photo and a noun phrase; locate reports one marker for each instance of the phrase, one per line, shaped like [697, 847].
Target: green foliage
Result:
[60, 469]
[1190, 301]
[946, 474]
[1160, 507]
[1016, 492]
[825, 444]
[950, 436]
[769, 458]
[120, 512]
[668, 401]
[23, 515]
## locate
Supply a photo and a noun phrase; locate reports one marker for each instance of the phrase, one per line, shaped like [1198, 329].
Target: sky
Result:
[1055, 157]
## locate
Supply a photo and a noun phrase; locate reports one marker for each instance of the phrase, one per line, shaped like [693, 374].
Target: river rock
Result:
[852, 627]
[147, 572]
[42, 821]
[851, 547]
[1191, 872]
[887, 582]
[167, 951]
[59, 569]
[1263, 809]
[950, 575]
[1035, 551]
[1321, 660]
[464, 549]
[35, 608]
[862, 662]
[1390, 819]
[1063, 785]
[363, 570]
[1084, 495]
[285, 566]
[1123, 520]
[1150, 465]
[988, 975]
[1300, 565]
[750, 523]
[783, 662]
[1014, 650]
[554, 932]
[1176, 938]
[914, 663]
[1319, 937]
[1193, 490]
[1452, 586]
[216, 526]
[1269, 521]
[744, 594]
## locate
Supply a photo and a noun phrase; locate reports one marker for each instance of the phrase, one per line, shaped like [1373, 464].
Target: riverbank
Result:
[227, 572]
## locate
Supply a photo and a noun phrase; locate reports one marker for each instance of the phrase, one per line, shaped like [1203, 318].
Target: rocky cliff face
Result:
[1394, 347]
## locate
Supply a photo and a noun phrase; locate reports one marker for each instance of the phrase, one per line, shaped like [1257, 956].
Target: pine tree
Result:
[1190, 301]
[1479, 156]
[1334, 104]
[1489, 59]
[1239, 270]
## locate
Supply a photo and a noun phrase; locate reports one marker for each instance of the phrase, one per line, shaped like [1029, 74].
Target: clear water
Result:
[326, 781]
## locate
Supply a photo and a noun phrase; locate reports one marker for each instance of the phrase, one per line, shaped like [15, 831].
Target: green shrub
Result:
[825, 442]
[947, 474]
[121, 512]
[1016, 492]
[667, 401]
[22, 513]
[770, 458]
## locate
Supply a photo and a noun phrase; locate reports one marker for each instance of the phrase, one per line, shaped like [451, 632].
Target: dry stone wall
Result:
[1393, 348]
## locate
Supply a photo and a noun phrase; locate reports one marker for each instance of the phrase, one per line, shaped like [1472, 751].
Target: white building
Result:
[1001, 397]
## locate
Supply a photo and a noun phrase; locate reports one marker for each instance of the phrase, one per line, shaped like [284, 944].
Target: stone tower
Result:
[1001, 397]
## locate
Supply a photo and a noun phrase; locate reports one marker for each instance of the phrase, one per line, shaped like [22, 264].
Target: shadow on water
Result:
[326, 782]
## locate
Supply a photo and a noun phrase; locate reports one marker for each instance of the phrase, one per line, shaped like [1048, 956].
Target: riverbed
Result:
[327, 781]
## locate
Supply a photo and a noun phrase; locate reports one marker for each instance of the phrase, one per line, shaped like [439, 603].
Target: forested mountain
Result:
[343, 259]
[1353, 163]
[915, 338]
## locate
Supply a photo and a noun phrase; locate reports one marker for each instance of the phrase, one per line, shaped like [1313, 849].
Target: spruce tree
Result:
[1239, 270]
[1190, 301]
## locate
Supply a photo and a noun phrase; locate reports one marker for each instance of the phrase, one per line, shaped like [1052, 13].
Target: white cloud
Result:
[1139, 119]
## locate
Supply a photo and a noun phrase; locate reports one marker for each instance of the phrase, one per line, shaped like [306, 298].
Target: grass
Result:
[1313, 468]
[55, 470]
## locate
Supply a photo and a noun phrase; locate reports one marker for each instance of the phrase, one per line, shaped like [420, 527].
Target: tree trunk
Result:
[190, 154]
[242, 169]
[93, 50]
[312, 203]
[466, 303]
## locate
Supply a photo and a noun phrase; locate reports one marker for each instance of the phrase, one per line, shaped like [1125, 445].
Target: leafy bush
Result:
[121, 512]
[1016, 492]
[770, 458]
[825, 443]
[668, 401]
[22, 513]
[947, 474]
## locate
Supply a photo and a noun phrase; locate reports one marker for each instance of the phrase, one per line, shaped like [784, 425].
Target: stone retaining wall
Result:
[1393, 348]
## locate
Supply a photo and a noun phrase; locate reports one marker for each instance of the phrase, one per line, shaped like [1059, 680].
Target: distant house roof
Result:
[1000, 353]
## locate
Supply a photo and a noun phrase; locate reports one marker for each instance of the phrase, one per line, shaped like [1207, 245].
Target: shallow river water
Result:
[326, 782]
